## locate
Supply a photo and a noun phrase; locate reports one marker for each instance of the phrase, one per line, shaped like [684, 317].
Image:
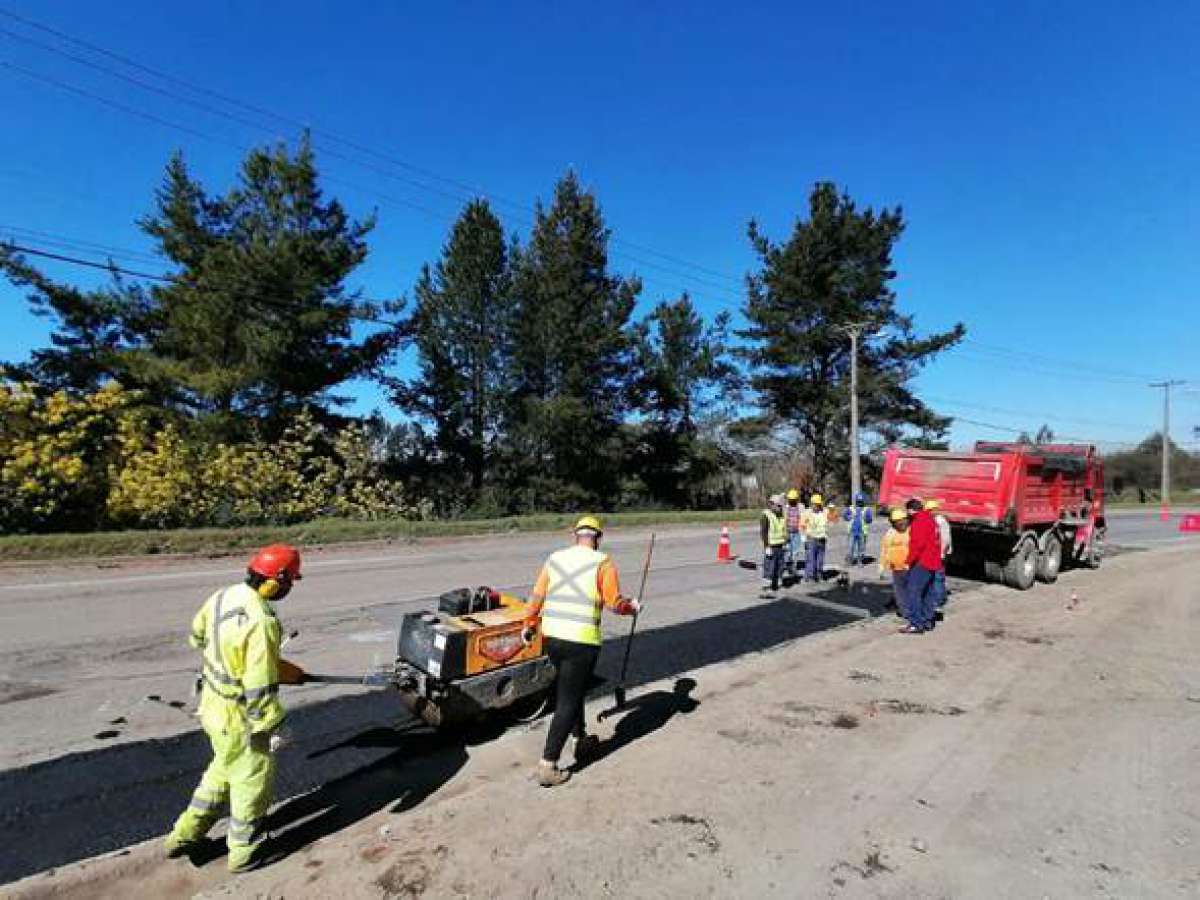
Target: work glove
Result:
[269, 741]
[629, 607]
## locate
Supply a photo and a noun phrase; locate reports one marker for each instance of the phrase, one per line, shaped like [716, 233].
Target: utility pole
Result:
[855, 470]
[1165, 491]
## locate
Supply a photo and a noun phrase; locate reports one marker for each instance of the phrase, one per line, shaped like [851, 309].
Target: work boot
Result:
[550, 775]
[175, 846]
[586, 748]
[242, 861]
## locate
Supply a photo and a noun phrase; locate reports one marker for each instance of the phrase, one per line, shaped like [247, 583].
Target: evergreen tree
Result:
[684, 374]
[257, 322]
[572, 356]
[460, 327]
[835, 270]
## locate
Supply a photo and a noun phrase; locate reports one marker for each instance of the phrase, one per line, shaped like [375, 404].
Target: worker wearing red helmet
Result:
[239, 637]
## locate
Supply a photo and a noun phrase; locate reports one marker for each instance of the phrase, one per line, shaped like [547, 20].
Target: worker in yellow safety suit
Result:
[816, 527]
[572, 588]
[239, 637]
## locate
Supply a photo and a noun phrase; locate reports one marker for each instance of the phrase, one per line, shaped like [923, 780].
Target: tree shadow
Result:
[644, 715]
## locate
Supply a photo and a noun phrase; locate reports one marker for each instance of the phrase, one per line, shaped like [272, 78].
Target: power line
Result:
[278, 302]
[461, 187]
[1049, 417]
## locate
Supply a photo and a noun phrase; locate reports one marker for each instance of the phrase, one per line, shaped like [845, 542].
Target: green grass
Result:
[221, 541]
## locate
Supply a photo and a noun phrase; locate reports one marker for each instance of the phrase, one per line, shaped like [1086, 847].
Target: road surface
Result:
[99, 750]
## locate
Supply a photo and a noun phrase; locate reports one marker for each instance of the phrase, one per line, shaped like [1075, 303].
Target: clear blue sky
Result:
[1045, 155]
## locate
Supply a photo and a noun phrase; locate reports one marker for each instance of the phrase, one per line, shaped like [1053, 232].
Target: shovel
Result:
[620, 692]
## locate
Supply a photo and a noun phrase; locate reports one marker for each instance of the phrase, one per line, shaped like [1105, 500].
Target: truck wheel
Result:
[1050, 560]
[1021, 569]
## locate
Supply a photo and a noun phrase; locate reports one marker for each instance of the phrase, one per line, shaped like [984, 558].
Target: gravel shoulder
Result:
[1031, 746]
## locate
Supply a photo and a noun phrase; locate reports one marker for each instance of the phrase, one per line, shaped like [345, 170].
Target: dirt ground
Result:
[1032, 746]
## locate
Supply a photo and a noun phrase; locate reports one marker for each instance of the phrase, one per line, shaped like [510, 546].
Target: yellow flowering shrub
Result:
[53, 451]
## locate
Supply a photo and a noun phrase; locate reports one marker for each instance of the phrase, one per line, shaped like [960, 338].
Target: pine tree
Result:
[258, 322]
[571, 356]
[461, 327]
[684, 374]
[835, 270]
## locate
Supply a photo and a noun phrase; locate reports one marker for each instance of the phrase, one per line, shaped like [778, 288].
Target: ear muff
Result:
[269, 588]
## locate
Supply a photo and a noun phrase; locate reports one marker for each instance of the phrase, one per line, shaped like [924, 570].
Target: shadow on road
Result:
[88, 803]
[644, 715]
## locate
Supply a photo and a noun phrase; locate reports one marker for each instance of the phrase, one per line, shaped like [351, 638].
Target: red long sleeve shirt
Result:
[924, 542]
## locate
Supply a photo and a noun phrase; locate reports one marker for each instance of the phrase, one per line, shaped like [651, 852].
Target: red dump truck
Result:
[1017, 512]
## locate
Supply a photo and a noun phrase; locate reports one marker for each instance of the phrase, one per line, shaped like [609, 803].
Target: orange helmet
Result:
[279, 561]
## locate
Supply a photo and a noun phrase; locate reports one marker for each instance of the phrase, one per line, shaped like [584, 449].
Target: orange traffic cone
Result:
[723, 550]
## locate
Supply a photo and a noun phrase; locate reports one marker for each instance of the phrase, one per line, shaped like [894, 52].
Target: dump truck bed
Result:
[1004, 487]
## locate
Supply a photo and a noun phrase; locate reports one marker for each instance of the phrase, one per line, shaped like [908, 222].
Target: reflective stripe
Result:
[206, 805]
[245, 833]
[220, 692]
[254, 713]
[266, 690]
[221, 676]
[586, 618]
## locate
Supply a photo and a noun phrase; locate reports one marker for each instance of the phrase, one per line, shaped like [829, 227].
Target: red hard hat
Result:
[277, 560]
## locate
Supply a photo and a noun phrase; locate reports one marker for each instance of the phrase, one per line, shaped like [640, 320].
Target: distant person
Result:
[946, 542]
[773, 531]
[858, 523]
[816, 527]
[793, 516]
[893, 558]
[924, 561]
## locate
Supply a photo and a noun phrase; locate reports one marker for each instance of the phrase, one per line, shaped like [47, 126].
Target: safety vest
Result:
[573, 604]
[817, 522]
[239, 639]
[776, 530]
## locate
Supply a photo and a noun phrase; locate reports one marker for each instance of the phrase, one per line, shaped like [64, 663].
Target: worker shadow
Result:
[422, 761]
[643, 715]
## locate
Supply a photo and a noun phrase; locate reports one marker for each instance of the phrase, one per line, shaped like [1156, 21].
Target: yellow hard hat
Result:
[793, 494]
[898, 515]
[589, 523]
[933, 504]
[815, 499]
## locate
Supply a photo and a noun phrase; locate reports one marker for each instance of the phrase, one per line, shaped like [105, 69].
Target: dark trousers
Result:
[922, 603]
[900, 587]
[574, 663]
[772, 569]
[815, 570]
[939, 588]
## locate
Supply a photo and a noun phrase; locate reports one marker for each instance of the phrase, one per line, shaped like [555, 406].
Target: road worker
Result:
[947, 546]
[893, 558]
[574, 585]
[239, 637]
[773, 532]
[924, 561]
[858, 523]
[793, 516]
[816, 527]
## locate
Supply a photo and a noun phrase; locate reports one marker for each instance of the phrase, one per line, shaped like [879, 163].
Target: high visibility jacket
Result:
[774, 530]
[816, 523]
[576, 582]
[893, 551]
[239, 637]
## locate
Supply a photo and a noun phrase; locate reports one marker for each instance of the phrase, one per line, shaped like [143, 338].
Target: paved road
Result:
[97, 744]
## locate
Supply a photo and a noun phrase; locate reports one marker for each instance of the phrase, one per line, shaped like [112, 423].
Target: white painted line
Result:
[855, 611]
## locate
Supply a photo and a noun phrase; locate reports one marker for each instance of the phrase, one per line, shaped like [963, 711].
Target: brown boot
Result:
[550, 775]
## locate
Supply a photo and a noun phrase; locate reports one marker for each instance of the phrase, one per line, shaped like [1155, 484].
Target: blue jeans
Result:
[900, 589]
[858, 548]
[815, 569]
[772, 569]
[795, 551]
[921, 601]
[939, 588]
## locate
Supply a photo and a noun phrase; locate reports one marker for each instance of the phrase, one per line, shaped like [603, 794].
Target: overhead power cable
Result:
[462, 188]
[1047, 417]
[279, 303]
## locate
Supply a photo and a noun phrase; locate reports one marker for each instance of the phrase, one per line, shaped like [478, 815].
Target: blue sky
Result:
[1044, 153]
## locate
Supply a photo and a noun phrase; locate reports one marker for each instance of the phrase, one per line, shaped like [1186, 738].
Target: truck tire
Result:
[1049, 561]
[1021, 569]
